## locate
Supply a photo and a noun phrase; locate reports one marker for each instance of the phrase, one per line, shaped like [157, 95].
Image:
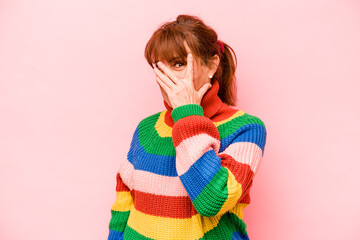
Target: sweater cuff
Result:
[187, 110]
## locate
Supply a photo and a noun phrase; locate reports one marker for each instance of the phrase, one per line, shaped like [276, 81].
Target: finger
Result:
[204, 89]
[163, 77]
[168, 72]
[190, 67]
[162, 84]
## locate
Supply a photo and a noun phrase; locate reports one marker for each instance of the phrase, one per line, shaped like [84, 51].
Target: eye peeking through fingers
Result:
[179, 65]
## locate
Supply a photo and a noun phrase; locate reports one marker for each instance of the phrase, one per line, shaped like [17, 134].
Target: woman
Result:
[190, 167]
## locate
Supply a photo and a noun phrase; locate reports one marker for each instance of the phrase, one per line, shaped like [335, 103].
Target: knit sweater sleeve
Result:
[215, 181]
[124, 201]
[120, 210]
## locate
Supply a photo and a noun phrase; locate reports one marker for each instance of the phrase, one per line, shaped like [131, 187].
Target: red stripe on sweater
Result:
[242, 172]
[191, 126]
[120, 186]
[163, 206]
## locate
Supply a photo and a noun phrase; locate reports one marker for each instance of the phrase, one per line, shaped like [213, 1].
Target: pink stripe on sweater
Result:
[192, 148]
[245, 152]
[126, 170]
[149, 182]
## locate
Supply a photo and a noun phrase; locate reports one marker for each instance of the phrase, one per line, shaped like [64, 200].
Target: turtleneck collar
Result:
[210, 102]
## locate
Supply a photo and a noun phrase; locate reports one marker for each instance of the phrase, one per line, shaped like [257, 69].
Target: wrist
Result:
[186, 110]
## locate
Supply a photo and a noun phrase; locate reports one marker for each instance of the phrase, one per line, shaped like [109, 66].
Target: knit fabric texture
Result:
[188, 173]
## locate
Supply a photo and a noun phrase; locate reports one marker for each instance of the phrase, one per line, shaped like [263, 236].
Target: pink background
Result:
[74, 83]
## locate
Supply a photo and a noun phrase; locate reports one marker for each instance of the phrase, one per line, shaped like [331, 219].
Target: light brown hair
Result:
[167, 43]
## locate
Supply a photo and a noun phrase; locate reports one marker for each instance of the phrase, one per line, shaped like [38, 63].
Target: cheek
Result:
[196, 73]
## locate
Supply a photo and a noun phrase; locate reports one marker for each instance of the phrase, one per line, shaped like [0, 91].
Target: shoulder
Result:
[244, 127]
[146, 127]
[142, 133]
[149, 120]
[250, 118]
[238, 118]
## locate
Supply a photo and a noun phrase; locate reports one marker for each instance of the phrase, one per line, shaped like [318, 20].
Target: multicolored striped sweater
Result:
[188, 173]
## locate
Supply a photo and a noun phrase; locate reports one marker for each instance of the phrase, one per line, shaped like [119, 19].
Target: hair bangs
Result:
[168, 46]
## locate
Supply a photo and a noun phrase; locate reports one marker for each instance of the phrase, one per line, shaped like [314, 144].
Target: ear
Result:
[214, 63]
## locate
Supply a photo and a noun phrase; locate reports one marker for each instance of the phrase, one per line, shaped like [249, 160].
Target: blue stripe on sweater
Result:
[115, 235]
[201, 173]
[254, 133]
[166, 165]
[141, 160]
[239, 236]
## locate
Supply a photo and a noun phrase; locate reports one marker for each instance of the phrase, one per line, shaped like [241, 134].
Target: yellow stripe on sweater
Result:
[161, 127]
[238, 210]
[123, 202]
[234, 193]
[237, 114]
[165, 228]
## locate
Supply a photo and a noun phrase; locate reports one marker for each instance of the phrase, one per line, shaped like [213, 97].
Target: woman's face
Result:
[201, 72]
